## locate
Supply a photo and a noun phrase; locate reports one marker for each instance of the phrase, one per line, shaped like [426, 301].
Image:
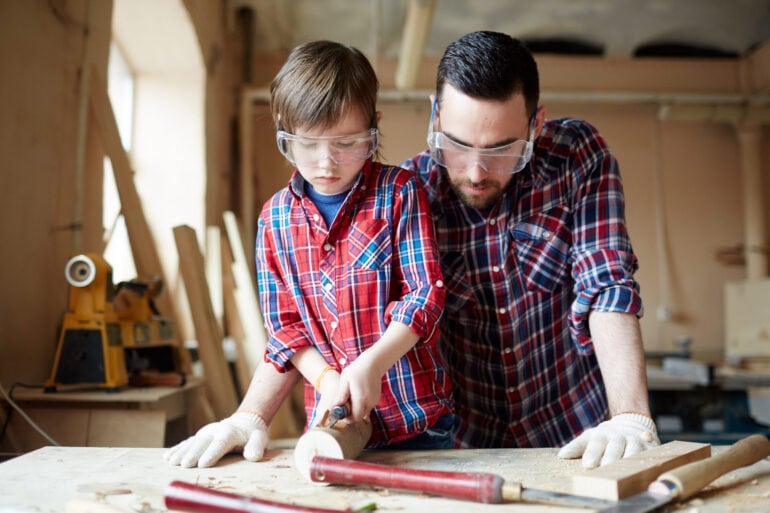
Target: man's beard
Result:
[479, 202]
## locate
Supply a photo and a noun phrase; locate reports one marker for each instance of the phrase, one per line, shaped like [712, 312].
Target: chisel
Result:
[685, 481]
[181, 496]
[472, 486]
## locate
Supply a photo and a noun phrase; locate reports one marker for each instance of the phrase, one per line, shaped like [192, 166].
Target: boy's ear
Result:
[378, 115]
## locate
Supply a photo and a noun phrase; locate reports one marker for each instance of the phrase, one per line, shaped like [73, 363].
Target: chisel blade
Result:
[640, 503]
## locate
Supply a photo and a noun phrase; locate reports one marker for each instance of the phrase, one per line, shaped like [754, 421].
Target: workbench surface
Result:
[132, 480]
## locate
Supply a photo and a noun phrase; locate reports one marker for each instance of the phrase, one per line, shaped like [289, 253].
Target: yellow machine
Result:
[110, 333]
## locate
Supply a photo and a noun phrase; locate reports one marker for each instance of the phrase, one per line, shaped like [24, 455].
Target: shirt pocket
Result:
[542, 245]
[369, 244]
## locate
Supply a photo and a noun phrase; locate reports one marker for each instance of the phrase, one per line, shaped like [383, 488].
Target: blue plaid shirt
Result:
[521, 279]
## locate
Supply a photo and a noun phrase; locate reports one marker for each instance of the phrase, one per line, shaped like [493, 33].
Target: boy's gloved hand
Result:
[240, 430]
[619, 437]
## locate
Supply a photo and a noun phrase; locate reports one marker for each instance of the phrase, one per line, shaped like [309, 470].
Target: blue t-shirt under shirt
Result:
[327, 204]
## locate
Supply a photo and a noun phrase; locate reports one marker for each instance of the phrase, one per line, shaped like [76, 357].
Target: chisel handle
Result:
[689, 479]
[472, 486]
[181, 496]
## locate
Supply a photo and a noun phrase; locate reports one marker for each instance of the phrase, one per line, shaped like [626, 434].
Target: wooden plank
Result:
[632, 475]
[255, 338]
[143, 247]
[219, 383]
[232, 320]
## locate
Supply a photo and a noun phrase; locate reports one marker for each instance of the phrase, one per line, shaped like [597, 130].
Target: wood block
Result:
[632, 475]
[747, 319]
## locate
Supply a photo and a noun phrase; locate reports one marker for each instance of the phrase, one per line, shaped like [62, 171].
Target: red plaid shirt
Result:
[338, 289]
[521, 280]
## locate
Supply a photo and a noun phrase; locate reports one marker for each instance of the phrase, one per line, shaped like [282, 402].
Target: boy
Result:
[347, 265]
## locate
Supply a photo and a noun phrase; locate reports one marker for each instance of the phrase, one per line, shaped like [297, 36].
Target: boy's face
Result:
[330, 158]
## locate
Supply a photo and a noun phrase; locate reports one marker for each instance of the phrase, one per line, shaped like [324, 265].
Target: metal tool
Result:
[337, 413]
[685, 481]
[473, 486]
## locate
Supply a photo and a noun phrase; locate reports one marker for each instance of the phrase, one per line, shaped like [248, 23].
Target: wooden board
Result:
[747, 319]
[219, 384]
[632, 475]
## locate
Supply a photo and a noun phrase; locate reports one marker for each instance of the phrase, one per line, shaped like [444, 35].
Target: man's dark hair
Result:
[491, 66]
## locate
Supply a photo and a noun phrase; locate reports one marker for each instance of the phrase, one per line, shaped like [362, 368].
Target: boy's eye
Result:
[307, 145]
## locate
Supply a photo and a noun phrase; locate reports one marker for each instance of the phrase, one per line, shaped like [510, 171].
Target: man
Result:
[541, 304]
[540, 331]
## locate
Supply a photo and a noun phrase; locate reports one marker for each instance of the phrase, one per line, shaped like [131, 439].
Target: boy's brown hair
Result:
[319, 82]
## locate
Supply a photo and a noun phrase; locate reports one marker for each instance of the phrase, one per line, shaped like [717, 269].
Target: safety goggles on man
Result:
[308, 151]
[508, 159]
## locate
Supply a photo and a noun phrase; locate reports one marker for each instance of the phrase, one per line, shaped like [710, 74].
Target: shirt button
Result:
[545, 234]
[315, 217]
[334, 325]
[508, 350]
[492, 221]
[511, 390]
[501, 310]
[328, 286]
[327, 247]
[439, 283]
[496, 268]
[343, 360]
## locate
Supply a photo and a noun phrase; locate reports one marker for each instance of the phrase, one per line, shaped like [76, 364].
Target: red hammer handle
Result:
[183, 496]
[472, 486]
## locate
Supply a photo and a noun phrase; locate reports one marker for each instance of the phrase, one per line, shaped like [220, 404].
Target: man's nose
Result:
[476, 172]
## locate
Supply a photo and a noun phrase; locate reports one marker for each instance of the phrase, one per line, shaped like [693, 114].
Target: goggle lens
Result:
[346, 149]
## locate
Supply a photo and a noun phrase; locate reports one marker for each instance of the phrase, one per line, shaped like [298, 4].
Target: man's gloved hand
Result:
[240, 430]
[619, 437]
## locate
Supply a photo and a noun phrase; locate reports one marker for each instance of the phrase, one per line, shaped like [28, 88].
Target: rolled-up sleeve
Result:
[604, 261]
[417, 271]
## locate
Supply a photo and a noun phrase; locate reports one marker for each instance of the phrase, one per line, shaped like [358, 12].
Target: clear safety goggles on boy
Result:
[508, 159]
[309, 151]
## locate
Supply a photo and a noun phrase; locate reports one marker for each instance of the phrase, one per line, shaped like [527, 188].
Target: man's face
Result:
[481, 124]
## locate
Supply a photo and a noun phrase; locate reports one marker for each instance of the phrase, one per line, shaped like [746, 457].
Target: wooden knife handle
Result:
[689, 479]
[473, 486]
[181, 496]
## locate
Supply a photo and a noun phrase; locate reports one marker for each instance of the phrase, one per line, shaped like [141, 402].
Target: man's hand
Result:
[241, 430]
[619, 437]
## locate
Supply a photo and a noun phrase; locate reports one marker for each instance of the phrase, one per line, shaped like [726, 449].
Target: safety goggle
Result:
[308, 151]
[508, 159]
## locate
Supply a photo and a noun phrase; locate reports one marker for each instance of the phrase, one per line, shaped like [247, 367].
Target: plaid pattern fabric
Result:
[338, 288]
[521, 280]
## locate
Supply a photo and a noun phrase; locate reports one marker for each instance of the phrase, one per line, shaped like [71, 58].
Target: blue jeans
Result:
[440, 435]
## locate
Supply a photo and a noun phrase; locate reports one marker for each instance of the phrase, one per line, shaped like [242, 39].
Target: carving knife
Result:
[337, 413]
[473, 486]
[685, 481]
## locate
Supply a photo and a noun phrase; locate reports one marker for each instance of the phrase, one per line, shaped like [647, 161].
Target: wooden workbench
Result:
[132, 480]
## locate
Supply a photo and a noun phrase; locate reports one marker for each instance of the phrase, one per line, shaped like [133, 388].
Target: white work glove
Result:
[241, 430]
[619, 437]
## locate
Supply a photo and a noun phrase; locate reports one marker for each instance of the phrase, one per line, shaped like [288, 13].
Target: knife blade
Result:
[685, 481]
[337, 413]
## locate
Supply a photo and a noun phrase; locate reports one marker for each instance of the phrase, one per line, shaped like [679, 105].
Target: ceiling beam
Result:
[419, 17]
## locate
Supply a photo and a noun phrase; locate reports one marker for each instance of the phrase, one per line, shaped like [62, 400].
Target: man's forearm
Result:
[267, 390]
[617, 341]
